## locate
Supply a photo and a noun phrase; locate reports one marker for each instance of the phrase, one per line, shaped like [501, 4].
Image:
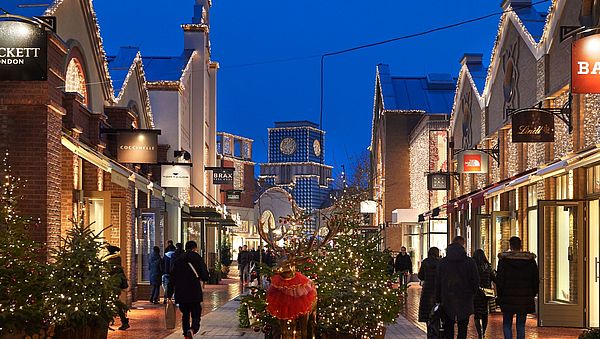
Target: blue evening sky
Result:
[252, 97]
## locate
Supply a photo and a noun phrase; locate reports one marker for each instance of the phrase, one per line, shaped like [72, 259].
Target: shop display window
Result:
[593, 180]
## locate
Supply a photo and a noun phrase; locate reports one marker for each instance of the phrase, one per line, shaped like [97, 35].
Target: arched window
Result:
[75, 79]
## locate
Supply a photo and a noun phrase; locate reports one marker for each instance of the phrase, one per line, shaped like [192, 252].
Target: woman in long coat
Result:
[427, 274]
[481, 302]
[155, 269]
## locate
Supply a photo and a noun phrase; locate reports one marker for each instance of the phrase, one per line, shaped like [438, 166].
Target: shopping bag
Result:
[435, 325]
[170, 314]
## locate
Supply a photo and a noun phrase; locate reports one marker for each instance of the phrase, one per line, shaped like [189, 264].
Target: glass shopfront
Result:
[435, 234]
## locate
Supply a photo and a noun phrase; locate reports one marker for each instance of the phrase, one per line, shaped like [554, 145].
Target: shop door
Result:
[502, 229]
[97, 213]
[594, 264]
[561, 263]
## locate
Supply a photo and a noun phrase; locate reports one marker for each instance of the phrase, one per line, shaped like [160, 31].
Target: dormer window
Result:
[75, 79]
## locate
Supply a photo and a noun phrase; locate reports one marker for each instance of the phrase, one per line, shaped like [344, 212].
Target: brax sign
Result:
[585, 65]
[137, 147]
[222, 175]
[23, 51]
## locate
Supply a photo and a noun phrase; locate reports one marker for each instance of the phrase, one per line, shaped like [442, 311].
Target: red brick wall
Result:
[31, 132]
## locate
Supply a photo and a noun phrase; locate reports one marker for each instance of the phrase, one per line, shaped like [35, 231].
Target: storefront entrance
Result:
[594, 264]
[483, 222]
[502, 228]
[561, 263]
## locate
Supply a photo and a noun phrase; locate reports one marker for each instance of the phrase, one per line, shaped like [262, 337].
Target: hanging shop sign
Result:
[532, 125]
[23, 51]
[175, 175]
[585, 65]
[472, 161]
[222, 175]
[137, 147]
[438, 182]
[233, 195]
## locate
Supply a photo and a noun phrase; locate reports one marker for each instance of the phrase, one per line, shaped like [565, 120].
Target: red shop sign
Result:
[585, 65]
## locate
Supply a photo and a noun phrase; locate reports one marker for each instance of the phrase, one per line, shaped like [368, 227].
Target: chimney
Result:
[515, 4]
[472, 59]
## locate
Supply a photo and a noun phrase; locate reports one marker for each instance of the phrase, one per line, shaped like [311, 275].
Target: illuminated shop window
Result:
[593, 180]
[75, 79]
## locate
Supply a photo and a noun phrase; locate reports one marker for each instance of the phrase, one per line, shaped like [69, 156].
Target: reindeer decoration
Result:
[292, 297]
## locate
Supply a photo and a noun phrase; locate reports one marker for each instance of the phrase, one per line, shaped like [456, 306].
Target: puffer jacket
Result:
[427, 274]
[517, 282]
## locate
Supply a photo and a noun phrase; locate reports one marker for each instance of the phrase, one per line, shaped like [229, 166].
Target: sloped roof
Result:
[533, 20]
[433, 93]
[167, 68]
[26, 8]
[119, 65]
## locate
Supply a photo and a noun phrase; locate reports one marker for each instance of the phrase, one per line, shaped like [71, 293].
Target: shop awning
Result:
[405, 215]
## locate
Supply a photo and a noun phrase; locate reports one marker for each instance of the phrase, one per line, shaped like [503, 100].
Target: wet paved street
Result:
[148, 320]
[494, 331]
[220, 320]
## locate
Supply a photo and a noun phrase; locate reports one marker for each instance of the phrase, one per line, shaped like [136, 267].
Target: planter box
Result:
[85, 332]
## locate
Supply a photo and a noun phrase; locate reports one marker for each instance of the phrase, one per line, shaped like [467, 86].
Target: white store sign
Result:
[175, 176]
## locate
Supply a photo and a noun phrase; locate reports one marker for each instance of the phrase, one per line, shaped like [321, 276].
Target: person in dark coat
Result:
[481, 302]
[116, 269]
[456, 282]
[170, 247]
[244, 259]
[403, 266]
[427, 273]
[167, 261]
[155, 272]
[188, 271]
[517, 284]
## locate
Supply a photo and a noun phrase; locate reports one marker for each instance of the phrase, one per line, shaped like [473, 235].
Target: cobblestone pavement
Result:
[411, 309]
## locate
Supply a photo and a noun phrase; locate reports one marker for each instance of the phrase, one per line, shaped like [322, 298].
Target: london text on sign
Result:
[23, 51]
[585, 65]
[532, 125]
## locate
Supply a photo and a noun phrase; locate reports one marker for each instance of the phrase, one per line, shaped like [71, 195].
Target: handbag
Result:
[488, 292]
[170, 314]
[435, 325]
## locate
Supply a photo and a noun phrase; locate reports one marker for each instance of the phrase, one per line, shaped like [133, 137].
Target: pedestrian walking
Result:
[482, 301]
[155, 274]
[456, 281]
[188, 271]
[403, 266]
[244, 259]
[114, 259]
[167, 261]
[517, 284]
[390, 262]
[170, 247]
[427, 274]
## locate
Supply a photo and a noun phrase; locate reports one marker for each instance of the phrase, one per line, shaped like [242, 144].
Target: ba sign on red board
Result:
[585, 65]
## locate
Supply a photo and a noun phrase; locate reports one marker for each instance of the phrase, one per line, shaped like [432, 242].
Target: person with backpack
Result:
[114, 260]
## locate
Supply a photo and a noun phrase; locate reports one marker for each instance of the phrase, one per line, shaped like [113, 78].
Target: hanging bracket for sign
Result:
[563, 113]
[41, 21]
[172, 163]
[493, 152]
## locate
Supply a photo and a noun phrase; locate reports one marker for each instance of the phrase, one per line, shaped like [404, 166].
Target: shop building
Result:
[236, 152]
[81, 128]
[526, 149]
[409, 139]
[297, 164]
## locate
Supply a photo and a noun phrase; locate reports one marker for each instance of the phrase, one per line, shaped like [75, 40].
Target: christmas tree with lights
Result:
[83, 295]
[356, 297]
[23, 276]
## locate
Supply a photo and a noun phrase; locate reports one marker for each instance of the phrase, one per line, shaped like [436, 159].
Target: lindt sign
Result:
[23, 51]
[585, 65]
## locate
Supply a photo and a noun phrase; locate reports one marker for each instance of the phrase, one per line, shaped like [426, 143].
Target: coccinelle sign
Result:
[23, 51]
[585, 65]
[472, 162]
